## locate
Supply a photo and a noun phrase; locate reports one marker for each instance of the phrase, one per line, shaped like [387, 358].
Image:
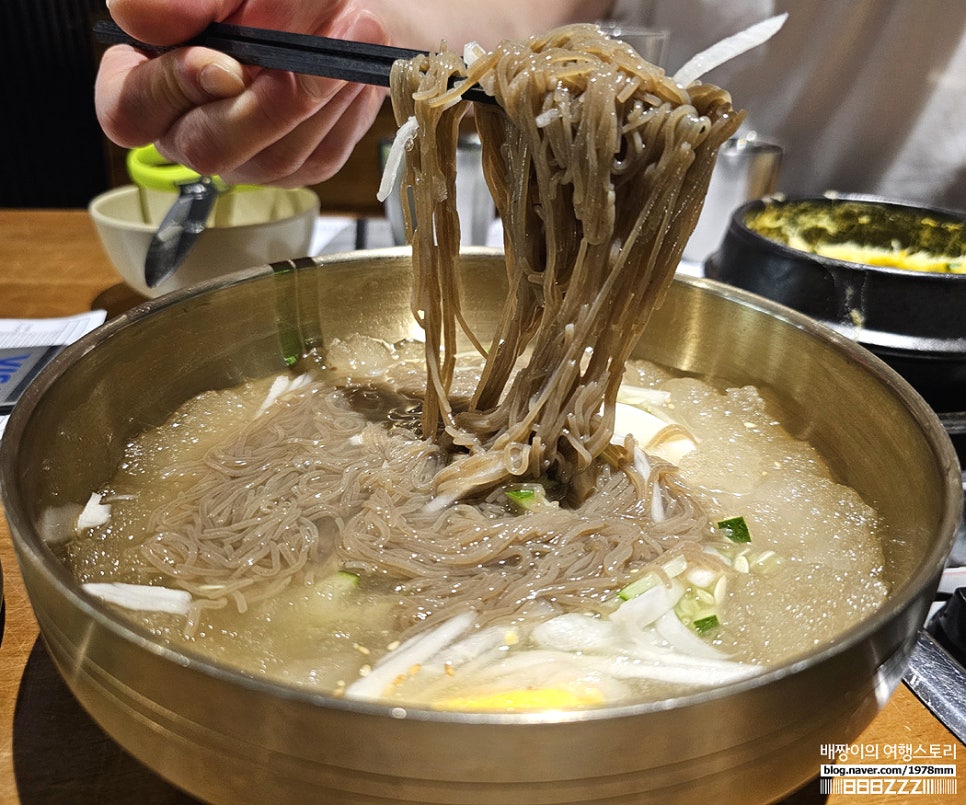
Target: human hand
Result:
[205, 110]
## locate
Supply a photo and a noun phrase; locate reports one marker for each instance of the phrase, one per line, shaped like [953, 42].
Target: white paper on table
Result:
[34, 335]
[326, 229]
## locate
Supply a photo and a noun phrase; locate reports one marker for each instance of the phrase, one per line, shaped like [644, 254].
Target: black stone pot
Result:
[914, 320]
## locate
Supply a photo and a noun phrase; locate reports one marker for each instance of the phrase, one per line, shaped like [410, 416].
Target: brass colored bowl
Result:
[229, 738]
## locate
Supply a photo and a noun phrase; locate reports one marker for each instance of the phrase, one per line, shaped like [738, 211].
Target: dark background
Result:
[52, 149]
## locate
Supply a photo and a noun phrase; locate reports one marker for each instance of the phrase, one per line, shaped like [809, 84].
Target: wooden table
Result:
[51, 264]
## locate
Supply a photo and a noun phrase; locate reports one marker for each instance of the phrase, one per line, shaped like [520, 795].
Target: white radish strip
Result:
[547, 117]
[414, 651]
[641, 464]
[641, 397]
[683, 639]
[517, 669]
[641, 649]
[394, 160]
[576, 632]
[281, 385]
[93, 514]
[650, 605]
[728, 48]
[467, 649]
[702, 576]
[552, 666]
[631, 419]
[657, 503]
[141, 597]
[704, 675]
[471, 52]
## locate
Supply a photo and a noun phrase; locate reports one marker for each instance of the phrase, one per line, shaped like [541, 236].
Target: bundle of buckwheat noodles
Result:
[598, 164]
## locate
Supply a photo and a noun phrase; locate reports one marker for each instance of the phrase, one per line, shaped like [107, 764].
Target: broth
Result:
[812, 568]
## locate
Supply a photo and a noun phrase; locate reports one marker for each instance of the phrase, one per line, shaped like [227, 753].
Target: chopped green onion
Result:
[529, 497]
[702, 625]
[695, 602]
[639, 586]
[736, 528]
[675, 566]
[720, 589]
[703, 577]
[697, 608]
[342, 582]
[521, 496]
[766, 562]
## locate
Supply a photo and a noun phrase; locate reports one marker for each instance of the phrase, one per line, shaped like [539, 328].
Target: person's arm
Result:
[425, 23]
[205, 110]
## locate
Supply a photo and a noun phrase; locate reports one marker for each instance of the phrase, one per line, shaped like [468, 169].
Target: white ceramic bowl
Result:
[247, 228]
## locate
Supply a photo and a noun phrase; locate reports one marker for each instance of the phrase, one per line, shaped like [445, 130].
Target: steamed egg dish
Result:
[866, 233]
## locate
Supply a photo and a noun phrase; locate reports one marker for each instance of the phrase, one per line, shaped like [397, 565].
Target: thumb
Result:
[139, 98]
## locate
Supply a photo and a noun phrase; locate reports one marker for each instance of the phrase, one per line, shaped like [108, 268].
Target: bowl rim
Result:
[738, 226]
[95, 210]
[33, 549]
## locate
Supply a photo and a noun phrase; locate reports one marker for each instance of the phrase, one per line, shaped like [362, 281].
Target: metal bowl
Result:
[913, 320]
[226, 737]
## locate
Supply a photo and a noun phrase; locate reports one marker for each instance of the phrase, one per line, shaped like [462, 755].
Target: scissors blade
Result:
[179, 230]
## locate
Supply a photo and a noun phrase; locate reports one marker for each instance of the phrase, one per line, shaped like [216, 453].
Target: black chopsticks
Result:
[299, 53]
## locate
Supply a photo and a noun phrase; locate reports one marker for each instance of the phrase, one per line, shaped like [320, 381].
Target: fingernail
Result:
[222, 79]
